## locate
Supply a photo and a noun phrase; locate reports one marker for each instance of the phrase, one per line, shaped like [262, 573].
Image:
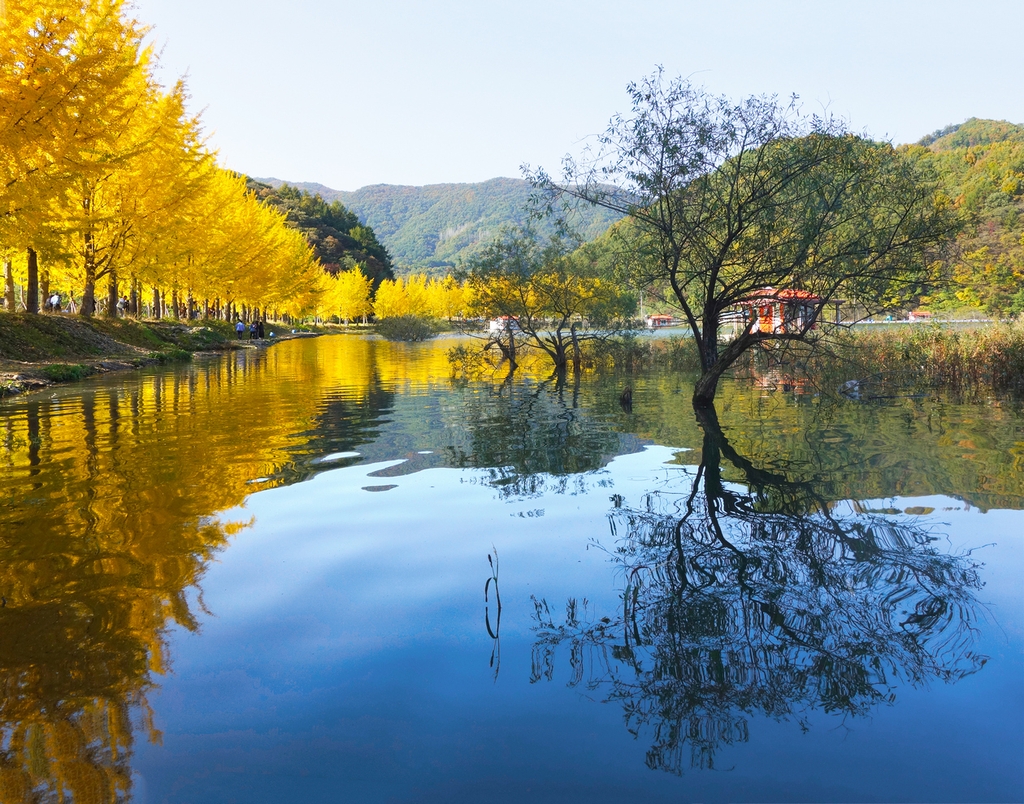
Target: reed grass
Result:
[962, 360]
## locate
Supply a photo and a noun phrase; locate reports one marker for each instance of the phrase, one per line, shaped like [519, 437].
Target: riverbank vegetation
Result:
[111, 200]
[38, 350]
[863, 363]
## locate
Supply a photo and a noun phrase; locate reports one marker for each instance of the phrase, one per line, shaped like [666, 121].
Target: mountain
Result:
[434, 228]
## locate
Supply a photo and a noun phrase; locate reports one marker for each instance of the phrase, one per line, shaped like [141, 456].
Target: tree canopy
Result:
[729, 201]
[980, 167]
[105, 177]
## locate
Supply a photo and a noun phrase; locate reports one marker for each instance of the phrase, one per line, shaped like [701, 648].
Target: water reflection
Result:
[758, 597]
[94, 568]
[535, 437]
[761, 598]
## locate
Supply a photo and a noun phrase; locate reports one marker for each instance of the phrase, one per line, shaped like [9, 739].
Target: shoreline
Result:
[69, 350]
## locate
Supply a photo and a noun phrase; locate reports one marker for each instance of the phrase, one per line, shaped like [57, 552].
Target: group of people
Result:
[255, 330]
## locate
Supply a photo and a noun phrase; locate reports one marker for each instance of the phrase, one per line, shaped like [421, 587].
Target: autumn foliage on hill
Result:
[339, 239]
[980, 164]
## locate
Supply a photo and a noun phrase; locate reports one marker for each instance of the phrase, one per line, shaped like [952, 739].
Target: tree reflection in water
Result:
[761, 599]
[534, 438]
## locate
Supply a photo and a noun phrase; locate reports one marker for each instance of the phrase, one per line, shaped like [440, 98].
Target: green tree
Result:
[727, 199]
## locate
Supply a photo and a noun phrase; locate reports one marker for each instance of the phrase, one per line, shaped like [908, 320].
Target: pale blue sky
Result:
[402, 92]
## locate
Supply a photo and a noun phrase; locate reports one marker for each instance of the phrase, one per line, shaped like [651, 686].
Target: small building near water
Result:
[658, 320]
[784, 310]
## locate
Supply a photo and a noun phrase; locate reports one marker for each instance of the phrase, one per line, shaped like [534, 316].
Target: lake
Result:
[330, 571]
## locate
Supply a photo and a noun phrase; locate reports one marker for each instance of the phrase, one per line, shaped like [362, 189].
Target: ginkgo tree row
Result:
[107, 189]
[349, 295]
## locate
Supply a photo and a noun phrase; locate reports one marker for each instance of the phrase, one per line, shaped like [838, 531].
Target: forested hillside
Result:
[980, 163]
[337, 237]
[433, 228]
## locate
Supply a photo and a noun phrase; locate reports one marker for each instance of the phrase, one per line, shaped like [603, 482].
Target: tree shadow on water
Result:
[760, 599]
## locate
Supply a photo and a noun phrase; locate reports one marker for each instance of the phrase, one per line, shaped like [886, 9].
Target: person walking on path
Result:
[240, 328]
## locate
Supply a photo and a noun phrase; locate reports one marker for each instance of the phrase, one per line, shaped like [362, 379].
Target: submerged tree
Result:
[724, 200]
[550, 294]
[762, 599]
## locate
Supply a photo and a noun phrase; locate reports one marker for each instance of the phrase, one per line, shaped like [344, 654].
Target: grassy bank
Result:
[40, 350]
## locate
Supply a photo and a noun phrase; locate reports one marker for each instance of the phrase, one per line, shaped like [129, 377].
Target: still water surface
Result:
[262, 578]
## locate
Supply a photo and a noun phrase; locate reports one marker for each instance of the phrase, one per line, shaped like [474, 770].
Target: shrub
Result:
[631, 353]
[172, 356]
[406, 328]
[63, 372]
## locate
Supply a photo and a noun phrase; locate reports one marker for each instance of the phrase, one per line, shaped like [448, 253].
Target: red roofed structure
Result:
[781, 311]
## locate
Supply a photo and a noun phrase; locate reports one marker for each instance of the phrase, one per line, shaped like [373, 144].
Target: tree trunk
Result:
[32, 295]
[44, 287]
[705, 389]
[9, 300]
[561, 358]
[89, 291]
[88, 298]
[174, 305]
[133, 298]
[707, 386]
[577, 361]
[156, 302]
[112, 297]
[707, 345]
[508, 351]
